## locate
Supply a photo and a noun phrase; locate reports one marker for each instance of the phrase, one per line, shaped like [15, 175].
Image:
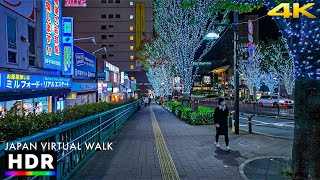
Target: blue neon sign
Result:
[84, 64]
[51, 15]
[17, 81]
[67, 39]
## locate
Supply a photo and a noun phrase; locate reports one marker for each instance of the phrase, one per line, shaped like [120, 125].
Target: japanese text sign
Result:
[51, 34]
[67, 38]
[84, 64]
[16, 81]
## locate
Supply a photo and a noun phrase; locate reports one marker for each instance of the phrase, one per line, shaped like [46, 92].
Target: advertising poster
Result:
[84, 64]
[52, 18]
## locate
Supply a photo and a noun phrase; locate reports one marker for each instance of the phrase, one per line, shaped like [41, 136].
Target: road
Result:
[271, 126]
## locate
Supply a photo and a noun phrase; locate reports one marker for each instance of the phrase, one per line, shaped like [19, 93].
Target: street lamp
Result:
[104, 48]
[93, 39]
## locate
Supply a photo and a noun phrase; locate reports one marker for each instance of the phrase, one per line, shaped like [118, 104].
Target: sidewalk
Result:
[191, 148]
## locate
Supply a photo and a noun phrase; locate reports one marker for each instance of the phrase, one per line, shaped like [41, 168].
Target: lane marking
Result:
[168, 169]
[275, 124]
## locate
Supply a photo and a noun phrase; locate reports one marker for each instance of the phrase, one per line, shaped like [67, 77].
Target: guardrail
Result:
[92, 129]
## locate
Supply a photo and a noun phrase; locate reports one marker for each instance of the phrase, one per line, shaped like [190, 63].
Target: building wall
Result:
[89, 22]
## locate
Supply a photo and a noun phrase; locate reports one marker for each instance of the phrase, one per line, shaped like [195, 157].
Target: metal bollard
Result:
[249, 122]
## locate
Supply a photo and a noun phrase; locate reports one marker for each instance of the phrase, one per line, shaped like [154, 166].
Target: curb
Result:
[269, 135]
[242, 165]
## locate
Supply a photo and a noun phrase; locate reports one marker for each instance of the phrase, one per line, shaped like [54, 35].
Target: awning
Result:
[17, 95]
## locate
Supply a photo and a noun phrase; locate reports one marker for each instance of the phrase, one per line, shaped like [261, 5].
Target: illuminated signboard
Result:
[51, 34]
[84, 64]
[122, 78]
[110, 67]
[25, 8]
[126, 76]
[17, 81]
[75, 3]
[207, 79]
[67, 39]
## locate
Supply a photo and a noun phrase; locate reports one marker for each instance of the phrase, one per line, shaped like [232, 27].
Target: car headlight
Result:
[281, 101]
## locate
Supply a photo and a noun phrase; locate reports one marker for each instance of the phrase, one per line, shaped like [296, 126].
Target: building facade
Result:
[118, 25]
[31, 74]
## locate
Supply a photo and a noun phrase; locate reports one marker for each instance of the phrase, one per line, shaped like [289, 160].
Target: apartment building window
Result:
[131, 3]
[117, 1]
[131, 48]
[117, 15]
[110, 26]
[103, 16]
[131, 57]
[131, 67]
[103, 45]
[103, 1]
[103, 36]
[131, 28]
[12, 39]
[104, 56]
[110, 16]
[131, 17]
[103, 27]
[131, 38]
[110, 35]
[110, 1]
[32, 46]
[111, 55]
[111, 45]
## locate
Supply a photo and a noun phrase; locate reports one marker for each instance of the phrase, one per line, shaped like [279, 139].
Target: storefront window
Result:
[28, 105]
[41, 105]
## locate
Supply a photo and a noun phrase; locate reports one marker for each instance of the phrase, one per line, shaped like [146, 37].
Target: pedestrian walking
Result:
[149, 101]
[139, 104]
[221, 114]
[146, 101]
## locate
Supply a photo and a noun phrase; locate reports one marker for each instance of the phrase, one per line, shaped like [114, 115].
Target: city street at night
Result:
[159, 89]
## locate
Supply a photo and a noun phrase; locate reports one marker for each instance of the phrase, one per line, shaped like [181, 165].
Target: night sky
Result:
[222, 53]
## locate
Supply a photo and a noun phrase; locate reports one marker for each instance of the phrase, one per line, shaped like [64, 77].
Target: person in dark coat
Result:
[221, 114]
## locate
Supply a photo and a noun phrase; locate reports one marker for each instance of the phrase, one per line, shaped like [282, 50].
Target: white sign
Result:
[122, 78]
[250, 27]
[115, 90]
[26, 8]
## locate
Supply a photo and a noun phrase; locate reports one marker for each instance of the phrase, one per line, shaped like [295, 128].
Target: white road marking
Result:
[275, 124]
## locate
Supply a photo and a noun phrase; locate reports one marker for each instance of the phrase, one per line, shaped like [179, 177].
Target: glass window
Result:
[110, 1]
[103, 45]
[12, 39]
[103, 36]
[131, 57]
[111, 45]
[131, 38]
[117, 1]
[131, 67]
[117, 15]
[111, 55]
[110, 35]
[104, 56]
[32, 47]
[12, 32]
[110, 16]
[103, 16]
[110, 26]
[103, 1]
[131, 48]
[131, 17]
[103, 27]
[131, 28]
[131, 3]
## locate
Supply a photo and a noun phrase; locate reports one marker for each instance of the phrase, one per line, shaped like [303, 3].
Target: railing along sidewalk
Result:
[92, 129]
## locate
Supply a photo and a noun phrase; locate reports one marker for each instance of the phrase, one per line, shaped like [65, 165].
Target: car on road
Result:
[273, 101]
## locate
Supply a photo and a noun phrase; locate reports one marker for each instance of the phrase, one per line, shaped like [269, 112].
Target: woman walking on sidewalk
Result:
[221, 114]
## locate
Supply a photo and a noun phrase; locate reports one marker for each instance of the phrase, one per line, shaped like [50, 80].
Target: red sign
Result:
[75, 3]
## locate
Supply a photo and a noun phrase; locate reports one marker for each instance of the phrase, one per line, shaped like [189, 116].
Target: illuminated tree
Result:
[183, 24]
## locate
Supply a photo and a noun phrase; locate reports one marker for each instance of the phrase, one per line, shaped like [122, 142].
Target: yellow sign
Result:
[296, 10]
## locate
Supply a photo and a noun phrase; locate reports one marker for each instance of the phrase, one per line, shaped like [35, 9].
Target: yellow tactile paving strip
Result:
[168, 169]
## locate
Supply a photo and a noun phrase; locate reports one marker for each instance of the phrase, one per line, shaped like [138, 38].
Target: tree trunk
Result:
[185, 100]
[306, 145]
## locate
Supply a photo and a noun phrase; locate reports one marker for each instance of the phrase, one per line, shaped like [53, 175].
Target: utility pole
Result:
[236, 73]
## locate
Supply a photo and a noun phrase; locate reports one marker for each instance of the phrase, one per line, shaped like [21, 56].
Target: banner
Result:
[17, 81]
[84, 64]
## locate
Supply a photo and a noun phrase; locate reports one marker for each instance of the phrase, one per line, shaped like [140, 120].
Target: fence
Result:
[93, 129]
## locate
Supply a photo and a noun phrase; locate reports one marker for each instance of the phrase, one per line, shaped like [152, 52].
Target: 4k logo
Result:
[296, 10]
